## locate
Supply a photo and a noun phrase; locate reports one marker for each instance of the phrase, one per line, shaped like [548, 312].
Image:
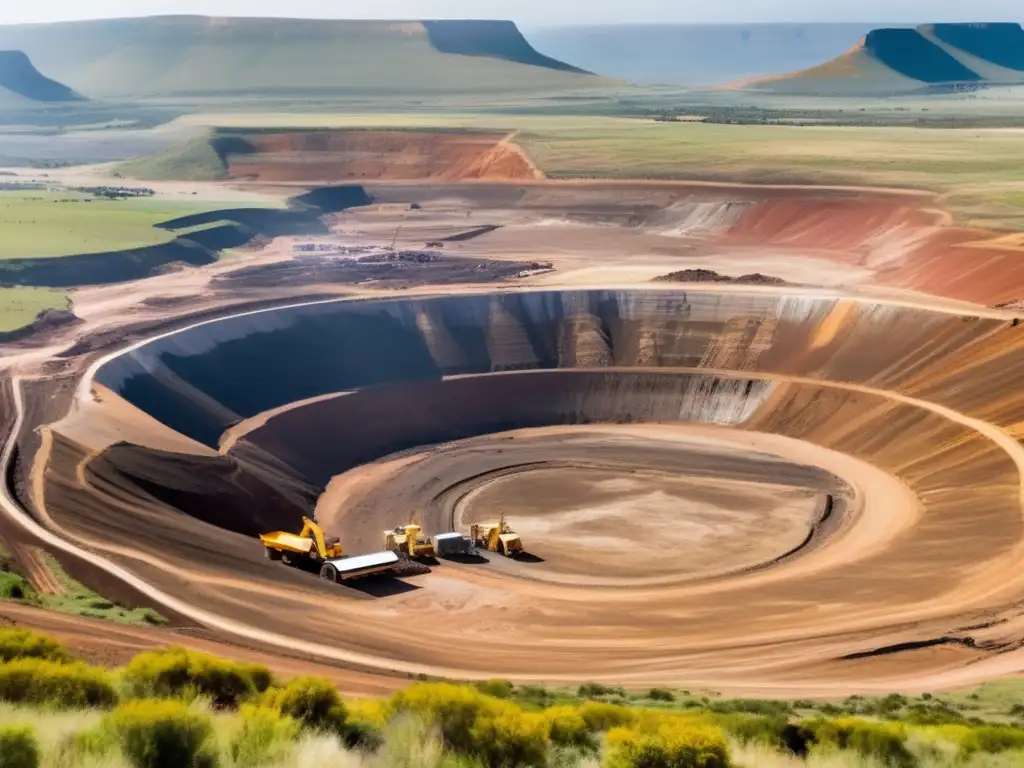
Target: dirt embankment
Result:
[340, 155]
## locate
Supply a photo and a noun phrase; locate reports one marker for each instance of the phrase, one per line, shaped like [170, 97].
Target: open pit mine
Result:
[808, 486]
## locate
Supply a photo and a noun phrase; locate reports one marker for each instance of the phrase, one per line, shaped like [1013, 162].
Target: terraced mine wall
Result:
[882, 398]
[202, 380]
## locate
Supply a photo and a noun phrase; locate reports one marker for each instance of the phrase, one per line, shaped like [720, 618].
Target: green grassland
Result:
[176, 707]
[19, 305]
[36, 224]
[195, 160]
[74, 598]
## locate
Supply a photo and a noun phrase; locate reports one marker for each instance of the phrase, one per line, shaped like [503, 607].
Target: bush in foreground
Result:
[25, 644]
[410, 743]
[177, 672]
[313, 702]
[601, 717]
[499, 689]
[566, 727]
[163, 734]
[496, 732]
[263, 736]
[46, 683]
[18, 747]
[885, 742]
[682, 744]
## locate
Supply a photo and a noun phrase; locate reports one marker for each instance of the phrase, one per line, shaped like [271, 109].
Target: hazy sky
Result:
[537, 12]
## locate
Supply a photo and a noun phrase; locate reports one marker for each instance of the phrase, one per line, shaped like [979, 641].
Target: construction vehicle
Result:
[452, 545]
[496, 537]
[409, 540]
[310, 548]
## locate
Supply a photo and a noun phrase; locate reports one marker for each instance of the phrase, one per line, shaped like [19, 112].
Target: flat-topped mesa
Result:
[904, 60]
[178, 56]
[19, 76]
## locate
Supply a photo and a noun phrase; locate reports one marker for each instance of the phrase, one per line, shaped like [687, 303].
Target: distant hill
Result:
[202, 56]
[24, 83]
[696, 55]
[930, 57]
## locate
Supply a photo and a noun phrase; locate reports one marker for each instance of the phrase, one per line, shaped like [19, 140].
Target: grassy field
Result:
[73, 598]
[19, 305]
[35, 224]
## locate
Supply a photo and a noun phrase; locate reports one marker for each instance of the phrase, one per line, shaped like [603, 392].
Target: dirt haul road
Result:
[766, 490]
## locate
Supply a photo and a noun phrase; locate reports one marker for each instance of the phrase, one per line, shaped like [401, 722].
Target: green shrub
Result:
[601, 717]
[506, 737]
[535, 695]
[681, 744]
[18, 747]
[176, 672]
[496, 732]
[163, 734]
[767, 708]
[94, 743]
[992, 739]
[885, 742]
[410, 743]
[756, 729]
[566, 727]
[661, 694]
[595, 690]
[313, 702]
[263, 736]
[451, 708]
[14, 586]
[25, 644]
[499, 689]
[935, 713]
[46, 683]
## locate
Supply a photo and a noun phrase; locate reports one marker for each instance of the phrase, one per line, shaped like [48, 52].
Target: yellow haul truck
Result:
[410, 541]
[311, 548]
[496, 537]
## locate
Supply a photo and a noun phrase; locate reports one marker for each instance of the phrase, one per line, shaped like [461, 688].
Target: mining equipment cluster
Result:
[311, 549]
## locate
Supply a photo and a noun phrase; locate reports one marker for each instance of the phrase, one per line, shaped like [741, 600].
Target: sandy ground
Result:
[664, 553]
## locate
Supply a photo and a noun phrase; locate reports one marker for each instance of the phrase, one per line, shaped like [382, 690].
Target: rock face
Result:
[19, 76]
[930, 57]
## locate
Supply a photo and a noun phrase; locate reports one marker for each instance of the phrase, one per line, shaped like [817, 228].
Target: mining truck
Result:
[311, 549]
[496, 537]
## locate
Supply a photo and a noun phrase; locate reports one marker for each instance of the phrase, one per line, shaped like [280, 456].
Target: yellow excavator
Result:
[496, 537]
[410, 541]
[311, 548]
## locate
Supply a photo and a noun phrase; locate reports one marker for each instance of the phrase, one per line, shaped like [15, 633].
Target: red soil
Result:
[326, 156]
[905, 246]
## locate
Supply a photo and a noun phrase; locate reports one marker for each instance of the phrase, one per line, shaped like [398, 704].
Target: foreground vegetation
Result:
[175, 707]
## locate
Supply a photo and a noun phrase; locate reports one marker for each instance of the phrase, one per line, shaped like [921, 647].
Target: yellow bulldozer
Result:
[310, 548]
[496, 537]
[409, 540]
